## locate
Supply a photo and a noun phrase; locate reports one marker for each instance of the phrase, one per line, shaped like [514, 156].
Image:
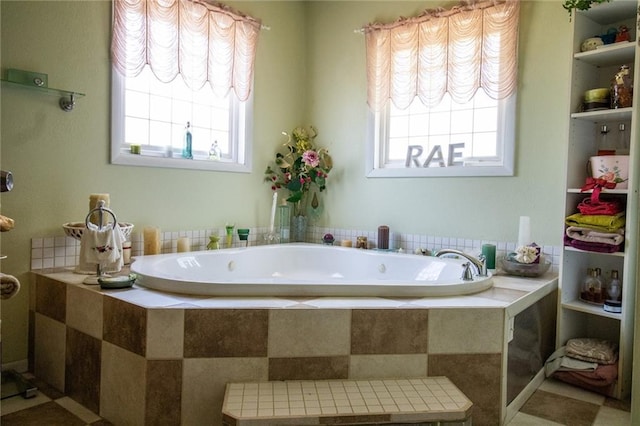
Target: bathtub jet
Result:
[305, 270]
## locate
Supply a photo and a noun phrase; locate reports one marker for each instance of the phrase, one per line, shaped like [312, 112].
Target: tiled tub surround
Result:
[137, 356]
[62, 251]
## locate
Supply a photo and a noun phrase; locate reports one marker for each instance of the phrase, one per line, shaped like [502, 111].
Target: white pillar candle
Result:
[93, 203]
[524, 231]
[151, 240]
[184, 244]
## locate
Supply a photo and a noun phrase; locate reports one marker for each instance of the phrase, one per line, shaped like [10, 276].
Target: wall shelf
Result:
[38, 82]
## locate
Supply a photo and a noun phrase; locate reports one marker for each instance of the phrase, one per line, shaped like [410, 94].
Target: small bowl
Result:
[512, 267]
[596, 95]
[74, 229]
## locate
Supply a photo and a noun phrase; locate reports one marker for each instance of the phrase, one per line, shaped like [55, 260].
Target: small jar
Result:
[361, 242]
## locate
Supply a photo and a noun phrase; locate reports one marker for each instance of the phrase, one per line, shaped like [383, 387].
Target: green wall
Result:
[309, 70]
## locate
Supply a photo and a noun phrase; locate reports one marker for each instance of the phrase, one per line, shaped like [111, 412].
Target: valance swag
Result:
[456, 51]
[203, 42]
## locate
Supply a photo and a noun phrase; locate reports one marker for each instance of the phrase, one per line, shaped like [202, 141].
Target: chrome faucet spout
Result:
[480, 262]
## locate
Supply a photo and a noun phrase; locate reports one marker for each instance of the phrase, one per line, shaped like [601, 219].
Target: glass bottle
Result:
[615, 286]
[214, 152]
[623, 143]
[284, 222]
[598, 288]
[621, 88]
[605, 146]
[188, 142]
[592, 287]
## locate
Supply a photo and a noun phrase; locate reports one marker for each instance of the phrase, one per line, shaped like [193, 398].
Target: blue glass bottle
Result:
[188, 141]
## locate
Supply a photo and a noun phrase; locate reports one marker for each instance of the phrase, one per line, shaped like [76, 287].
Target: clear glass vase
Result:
[298, 229]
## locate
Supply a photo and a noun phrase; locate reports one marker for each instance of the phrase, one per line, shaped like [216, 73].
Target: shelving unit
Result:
[590, 70]
[38, 82]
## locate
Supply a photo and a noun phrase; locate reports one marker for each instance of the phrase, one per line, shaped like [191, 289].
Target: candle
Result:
[93, 203]
[524, 231]
[346, 243]
[273, 212]
[151, 240]
[184, 244]
[489, 253]
[383, 237]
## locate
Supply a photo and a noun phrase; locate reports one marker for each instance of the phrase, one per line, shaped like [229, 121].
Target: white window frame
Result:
[240, 137]
[378, 137]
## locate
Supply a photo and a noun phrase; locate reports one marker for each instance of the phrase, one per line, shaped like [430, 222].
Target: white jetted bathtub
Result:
[305, 270]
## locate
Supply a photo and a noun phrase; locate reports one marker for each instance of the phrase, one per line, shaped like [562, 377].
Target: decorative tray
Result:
[512, 267]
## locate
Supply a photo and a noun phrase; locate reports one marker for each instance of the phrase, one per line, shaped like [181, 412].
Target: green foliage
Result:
[571, 5]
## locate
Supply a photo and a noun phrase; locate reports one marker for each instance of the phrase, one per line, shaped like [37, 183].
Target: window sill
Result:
[126, 159]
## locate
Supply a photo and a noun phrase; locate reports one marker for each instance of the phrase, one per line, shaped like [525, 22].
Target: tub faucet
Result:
[480, 262]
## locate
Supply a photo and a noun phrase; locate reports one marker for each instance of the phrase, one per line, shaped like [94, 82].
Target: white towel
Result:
[590, 235]
[9, 286]
[559, 361]
[101, 246]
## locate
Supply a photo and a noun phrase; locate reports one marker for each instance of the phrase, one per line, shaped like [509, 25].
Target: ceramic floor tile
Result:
[83, 413]
[561, 409]
[609, 416]
[561, 388]
[523, 419]
[49, 413]
[17, 403]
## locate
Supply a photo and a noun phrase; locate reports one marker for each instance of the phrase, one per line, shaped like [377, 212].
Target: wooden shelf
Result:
[609, 54]
[580, 306]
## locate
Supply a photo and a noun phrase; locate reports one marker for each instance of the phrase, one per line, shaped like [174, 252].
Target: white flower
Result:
[526, 254]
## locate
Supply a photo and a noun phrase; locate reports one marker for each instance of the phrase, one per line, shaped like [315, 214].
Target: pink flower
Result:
[311, 158]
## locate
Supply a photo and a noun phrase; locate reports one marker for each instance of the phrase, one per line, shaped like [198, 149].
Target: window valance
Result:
[456, 51]
[203, 42]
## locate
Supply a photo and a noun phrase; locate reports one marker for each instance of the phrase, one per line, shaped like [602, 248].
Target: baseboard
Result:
[20, 366]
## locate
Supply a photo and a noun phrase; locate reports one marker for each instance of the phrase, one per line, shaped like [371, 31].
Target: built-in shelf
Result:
[605, 114]
[609, 54]
[603, 191]
[580, 306]
[615, 254]
[38, 82]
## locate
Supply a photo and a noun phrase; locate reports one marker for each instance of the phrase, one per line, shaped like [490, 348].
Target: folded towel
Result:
[100, 246]
[593, 350]
[591, 235]
[602, 380]
[9, 286]
[591, 207]
[605, 223]
[558, 361]
[594, 247]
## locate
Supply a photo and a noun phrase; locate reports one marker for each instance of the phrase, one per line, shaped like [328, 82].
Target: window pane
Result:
[137, 131]
[485, 119]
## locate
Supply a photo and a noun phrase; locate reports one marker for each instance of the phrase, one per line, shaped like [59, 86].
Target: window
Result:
[441, 90]
[471, 139]
[153, 115]
[179, 62]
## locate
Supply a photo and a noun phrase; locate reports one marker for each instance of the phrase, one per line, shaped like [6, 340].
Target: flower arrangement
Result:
[301, 166]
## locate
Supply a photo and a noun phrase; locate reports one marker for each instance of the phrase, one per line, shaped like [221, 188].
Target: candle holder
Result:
[229, 239]
[243, 234]
[271, 238]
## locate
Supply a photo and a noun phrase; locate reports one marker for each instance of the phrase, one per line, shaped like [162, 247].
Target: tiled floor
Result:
[554, 403]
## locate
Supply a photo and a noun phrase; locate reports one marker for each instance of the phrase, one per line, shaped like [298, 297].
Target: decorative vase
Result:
[298, 228]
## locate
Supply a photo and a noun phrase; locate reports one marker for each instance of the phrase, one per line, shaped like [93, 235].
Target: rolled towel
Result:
[9, 286]
[6, 223]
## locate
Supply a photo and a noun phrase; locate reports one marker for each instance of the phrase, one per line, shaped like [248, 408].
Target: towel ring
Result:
[100, 210]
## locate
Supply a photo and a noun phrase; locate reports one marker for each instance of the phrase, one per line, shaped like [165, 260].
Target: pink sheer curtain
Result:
[203, 42]
[456, 51]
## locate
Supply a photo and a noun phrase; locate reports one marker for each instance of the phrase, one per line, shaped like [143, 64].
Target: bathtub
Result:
[304, 270]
